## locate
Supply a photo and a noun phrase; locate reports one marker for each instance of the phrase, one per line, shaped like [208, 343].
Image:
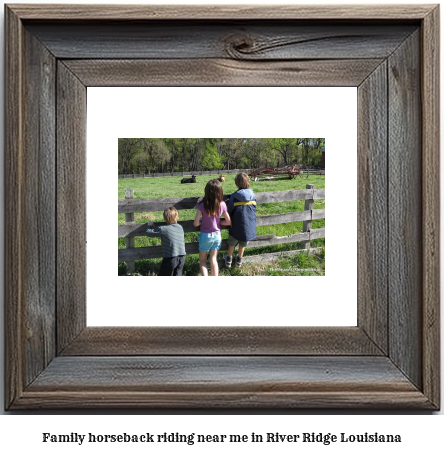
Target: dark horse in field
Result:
[188, 180]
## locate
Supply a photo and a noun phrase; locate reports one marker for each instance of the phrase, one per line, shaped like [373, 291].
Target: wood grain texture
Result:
[319, 193]
[372, 260]
[260, 401]
[71, 206]
[405, 209]
[222, 72]
[38, 222]
[14, 361]
[252, 381]
[207, 373]
[234, 382]
[130, 341]
[317, 233]
[430, 94]
[258, 40]
[219, 12]
[317, 214]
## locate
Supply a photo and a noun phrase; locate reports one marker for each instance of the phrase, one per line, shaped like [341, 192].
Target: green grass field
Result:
[165, 187]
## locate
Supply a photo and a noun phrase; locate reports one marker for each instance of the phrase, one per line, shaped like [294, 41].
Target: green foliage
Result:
[285, 147]
[128, 148]
[311, 150]
[211, 159]
[153, 155]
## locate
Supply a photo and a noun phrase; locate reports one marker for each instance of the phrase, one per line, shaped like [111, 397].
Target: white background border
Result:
[227, 112]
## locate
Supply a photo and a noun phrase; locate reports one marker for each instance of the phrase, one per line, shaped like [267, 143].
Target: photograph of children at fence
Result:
[264, 220]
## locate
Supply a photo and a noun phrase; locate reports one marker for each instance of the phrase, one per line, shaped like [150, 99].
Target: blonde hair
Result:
[170, 215]
[242, 181]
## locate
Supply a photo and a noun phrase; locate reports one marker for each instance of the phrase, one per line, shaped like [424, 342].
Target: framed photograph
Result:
[390, 359]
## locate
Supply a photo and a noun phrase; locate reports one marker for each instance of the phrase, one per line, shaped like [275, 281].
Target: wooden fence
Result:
[202, 173]
[185, 173]
[130, 230]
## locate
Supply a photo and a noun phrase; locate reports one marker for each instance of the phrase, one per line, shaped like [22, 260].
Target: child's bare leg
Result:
[230, 250]
[240, 252]
[203, 263]
[213, 263]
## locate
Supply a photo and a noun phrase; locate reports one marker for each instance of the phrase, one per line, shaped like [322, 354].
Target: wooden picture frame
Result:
[390, 360]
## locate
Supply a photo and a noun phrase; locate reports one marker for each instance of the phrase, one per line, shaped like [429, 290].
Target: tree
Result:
[173, 145]
[140, 155]
[309, 148]
[140, 162]
[194, 151]
[157, 152]
[318, 145]
[230, 150]
[285, 147]
[127, 149]
[255, 152]
[211, 158]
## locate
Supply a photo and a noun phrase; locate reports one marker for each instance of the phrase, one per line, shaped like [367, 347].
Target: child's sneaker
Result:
[238, 261]
[228, 260]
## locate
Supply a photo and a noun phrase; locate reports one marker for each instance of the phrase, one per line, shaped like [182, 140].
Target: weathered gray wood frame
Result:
[390, 360]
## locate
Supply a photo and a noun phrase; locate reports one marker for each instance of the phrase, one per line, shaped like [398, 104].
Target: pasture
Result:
[164, 187]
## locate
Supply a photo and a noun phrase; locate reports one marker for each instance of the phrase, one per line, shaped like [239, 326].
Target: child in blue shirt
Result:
[242, 210]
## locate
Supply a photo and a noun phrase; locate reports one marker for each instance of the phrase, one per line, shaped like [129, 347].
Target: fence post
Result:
[129, 218]
[306, 225]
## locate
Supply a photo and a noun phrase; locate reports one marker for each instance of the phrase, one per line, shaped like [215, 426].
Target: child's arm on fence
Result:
[197, 218]
[230, 204]
[152, 230]
[227, 221]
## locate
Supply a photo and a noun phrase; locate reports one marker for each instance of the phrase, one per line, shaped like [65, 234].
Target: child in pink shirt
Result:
[210, 239]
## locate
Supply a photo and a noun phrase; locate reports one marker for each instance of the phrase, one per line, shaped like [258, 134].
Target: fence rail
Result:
[131, 230]
[203, 173]
[185, 173]
[159, 204]
[138, 229]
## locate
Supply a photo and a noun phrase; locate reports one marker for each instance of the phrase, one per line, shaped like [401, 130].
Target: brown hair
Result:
[170, 215]
[213, 197]
[242, 180]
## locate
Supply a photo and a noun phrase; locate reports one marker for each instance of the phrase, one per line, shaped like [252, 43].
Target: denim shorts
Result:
[210, 241]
